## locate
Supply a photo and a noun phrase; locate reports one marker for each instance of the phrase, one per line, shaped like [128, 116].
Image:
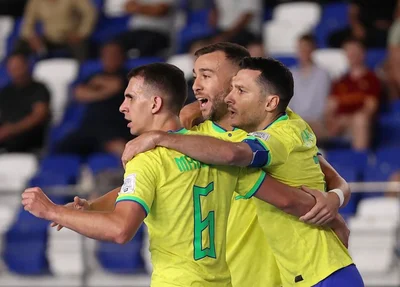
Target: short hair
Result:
[353, 40]
[275, 78]
[310, 38]
[166, 78]
[233, 52]
[18, 54]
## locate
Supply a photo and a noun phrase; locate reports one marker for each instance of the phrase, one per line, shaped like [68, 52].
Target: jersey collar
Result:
[179, 131]
[283, 117]
[219, 129]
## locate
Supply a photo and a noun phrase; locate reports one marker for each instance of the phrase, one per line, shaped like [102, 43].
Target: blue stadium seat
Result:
[88, 69]
[350, 174]
[103, 161]
[286, 60]
[118, 258]
[109, 28]
[395, 107]
[99, 5]
[334, 17]
[375, 57]
[133, 63]
[377, 173]
[347, 158]
[389, 156]
[4, 77]
[68, 165]
[388, 130]
[13, 37]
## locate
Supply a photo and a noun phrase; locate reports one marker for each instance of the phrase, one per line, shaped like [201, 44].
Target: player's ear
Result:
[272, 103]
[157, 103]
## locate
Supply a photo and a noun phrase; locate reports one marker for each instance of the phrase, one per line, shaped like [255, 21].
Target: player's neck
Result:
[166, 123]
[268, 120]
[225, 123]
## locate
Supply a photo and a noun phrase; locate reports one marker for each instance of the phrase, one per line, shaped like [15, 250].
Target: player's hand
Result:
[37, 203]
[142, 143]
[189, 114]
[325, 209]
[78, 204]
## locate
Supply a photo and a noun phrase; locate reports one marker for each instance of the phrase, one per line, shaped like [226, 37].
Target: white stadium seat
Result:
[57, 74]
[300, 13]
[15, 170]
[114, 8]
[6, 27]
[184, 62]
[280, 38]
[332, 60]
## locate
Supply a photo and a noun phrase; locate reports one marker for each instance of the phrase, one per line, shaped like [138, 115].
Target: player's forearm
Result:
[288, 199]
[334, 180]
[105, 202]
[101, 226]
[207, 149]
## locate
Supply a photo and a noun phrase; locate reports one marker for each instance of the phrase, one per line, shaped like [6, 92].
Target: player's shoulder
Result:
[151, 158]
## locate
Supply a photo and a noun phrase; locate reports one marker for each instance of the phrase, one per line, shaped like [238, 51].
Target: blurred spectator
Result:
[369, 21]
[103, 128]
[355, 98]
[256, 48]
[66, 25]
[24, 109]
[392, 65]
[311, 85]
[237, 21]
[395, 178]
[150, 26]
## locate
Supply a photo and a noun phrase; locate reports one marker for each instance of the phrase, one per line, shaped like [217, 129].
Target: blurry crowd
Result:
[347, 107]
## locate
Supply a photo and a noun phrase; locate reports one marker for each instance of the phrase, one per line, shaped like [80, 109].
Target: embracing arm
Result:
[105, 202]
[207, 149]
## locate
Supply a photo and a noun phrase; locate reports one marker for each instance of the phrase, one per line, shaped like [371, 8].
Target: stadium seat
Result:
[347, 158]
[101, 162]
[298, 14]
[108, 28]
[389, 156]
[388, 130]
[6, 27]
[65, 252]
[114, 8]
[280, 38]
[61, 165]
[334, 17]
[332, 60]
[122, 259]
[288, 61]
[15, 170]
[184, 62]
[134, 63]
[57, 74]
[375, 57]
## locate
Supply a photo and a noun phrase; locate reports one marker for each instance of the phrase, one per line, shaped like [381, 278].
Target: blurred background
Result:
[63, 66]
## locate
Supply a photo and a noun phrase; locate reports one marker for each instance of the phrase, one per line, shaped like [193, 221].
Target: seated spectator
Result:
[66, 25]
[311, 86]
[395, 179]
[354, 100]
[103, 128]
[149, 27]
[24, 109]
[369, 20]
[237, 21]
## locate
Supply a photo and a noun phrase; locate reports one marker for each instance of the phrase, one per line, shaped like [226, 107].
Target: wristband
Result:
[340, 194]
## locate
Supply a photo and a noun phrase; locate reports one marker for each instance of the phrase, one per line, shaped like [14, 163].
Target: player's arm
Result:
[105, 202]
[288, 199]
[202, 148]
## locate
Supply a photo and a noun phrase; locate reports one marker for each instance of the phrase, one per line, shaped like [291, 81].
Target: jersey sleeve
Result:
[269, 149]
[249, 181]
[140, 182]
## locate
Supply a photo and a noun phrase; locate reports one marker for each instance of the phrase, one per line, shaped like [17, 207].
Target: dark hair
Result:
[18, 54]
[166, 78]
[275, 78]
[353, 40]
[310, 38]
[233, 52]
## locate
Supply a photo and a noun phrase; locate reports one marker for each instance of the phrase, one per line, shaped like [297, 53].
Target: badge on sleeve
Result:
[261, 135]
[129, 184]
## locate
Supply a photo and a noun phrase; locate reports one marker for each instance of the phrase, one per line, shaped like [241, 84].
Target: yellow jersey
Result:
[249, 257]
[305, 254]
[187, 205]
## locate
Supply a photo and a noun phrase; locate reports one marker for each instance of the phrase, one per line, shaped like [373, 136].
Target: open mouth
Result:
[203, 102]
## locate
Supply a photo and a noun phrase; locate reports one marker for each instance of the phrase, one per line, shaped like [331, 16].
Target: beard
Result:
[219, 108]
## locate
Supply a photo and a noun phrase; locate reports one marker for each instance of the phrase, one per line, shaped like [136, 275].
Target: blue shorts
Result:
[345, 277]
